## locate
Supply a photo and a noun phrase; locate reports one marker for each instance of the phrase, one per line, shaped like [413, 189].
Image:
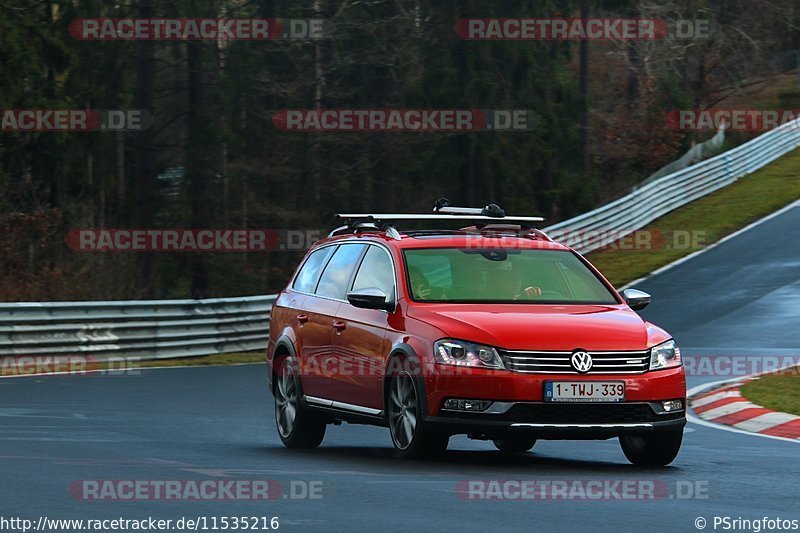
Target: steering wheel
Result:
[550, 294]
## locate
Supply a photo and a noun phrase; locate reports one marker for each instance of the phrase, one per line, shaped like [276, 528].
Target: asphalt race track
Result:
[216, 423]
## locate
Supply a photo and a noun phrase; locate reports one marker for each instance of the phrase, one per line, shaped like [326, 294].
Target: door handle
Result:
[302, 318]
[339, 326]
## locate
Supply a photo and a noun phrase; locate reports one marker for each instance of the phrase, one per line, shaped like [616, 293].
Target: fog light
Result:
[466, 405]
[672, 405]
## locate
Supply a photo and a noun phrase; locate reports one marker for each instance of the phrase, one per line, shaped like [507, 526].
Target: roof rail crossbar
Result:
[386, 217]
[491, 214]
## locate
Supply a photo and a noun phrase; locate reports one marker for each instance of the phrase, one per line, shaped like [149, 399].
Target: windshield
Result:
[474, 275]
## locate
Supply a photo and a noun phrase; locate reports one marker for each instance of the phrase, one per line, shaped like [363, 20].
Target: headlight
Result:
[665, 355]
[462, 353]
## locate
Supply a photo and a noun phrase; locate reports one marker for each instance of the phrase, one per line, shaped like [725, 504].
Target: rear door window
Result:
[337, 274]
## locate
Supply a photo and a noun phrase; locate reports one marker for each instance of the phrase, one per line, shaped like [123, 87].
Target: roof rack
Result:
[492, 213]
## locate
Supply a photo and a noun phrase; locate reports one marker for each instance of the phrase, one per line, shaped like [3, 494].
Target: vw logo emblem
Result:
[581, 361]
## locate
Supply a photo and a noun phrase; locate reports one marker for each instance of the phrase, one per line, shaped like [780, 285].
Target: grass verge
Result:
[709, 219]
[779, 392]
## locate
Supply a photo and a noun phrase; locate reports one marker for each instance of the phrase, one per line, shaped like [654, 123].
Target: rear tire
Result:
[515, 444]
[298, 427]
[654, 449]
[404, 411]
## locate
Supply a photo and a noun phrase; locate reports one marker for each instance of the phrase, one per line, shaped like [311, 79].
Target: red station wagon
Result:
[492, 330]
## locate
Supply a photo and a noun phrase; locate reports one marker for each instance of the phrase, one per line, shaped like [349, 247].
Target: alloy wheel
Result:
[402, 410]
[286, 399]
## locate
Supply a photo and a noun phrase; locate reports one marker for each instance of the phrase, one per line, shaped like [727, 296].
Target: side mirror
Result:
[370, 298]
[636, 299]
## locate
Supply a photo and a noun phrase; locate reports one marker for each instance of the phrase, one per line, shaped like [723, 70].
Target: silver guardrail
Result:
[155, 329]
[146, 329]
[610, 222]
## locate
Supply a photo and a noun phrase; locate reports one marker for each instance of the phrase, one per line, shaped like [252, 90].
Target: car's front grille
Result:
[560, 362]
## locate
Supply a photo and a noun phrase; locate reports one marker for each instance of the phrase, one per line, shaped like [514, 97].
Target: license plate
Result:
[584, 391]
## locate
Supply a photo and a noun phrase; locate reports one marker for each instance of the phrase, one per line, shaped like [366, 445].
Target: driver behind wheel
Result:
[507, 284]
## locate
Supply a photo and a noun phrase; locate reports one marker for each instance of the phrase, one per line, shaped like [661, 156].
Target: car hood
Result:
[543, 327]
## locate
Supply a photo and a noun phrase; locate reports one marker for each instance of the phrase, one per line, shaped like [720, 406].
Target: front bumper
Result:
[442, 383]
[519, 404]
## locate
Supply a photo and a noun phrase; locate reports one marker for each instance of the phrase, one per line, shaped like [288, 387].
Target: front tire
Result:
[297, 426]
[515, 444]
[654, 449]
[404, 411]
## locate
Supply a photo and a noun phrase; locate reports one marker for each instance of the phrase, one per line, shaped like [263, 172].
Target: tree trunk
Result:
[196, 165]
[143, 178]
[583, 87]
